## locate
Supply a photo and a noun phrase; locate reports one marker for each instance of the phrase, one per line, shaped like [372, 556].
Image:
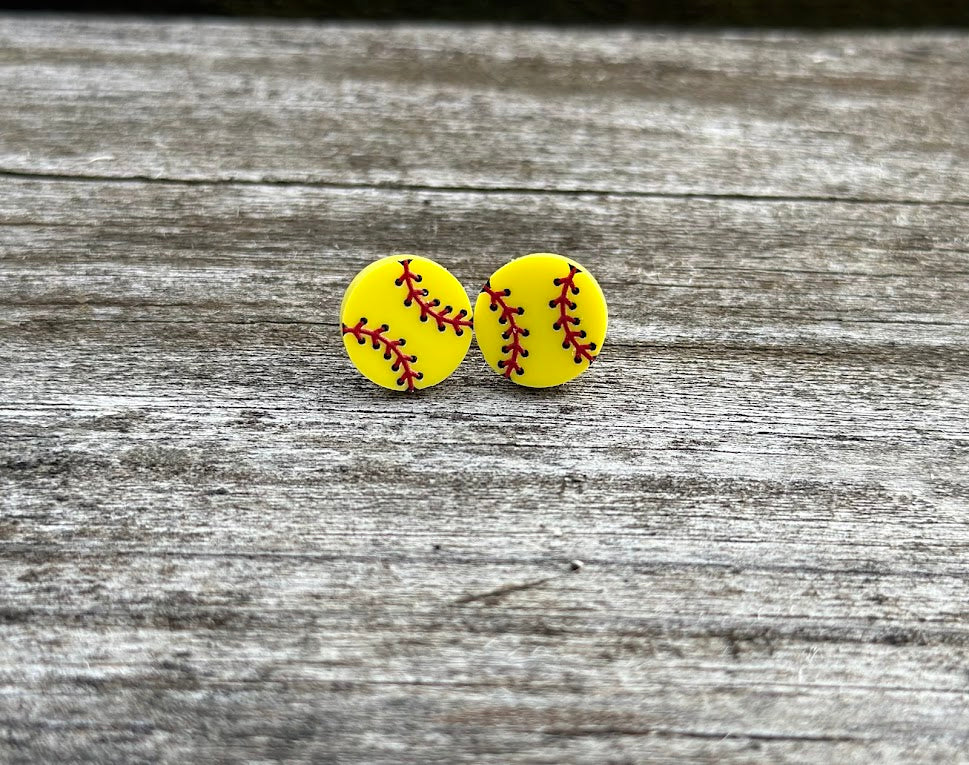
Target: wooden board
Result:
[842, 116]
[218, 544]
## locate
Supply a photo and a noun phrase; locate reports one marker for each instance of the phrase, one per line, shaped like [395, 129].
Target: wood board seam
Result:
[488, 190]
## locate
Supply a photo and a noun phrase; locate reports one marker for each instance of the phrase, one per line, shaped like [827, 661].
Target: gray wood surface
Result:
[218, 544]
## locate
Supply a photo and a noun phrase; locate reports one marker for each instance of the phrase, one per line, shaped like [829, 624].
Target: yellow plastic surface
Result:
[406, 322]
[541, 320]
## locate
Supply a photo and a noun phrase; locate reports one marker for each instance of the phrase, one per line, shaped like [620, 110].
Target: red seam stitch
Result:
[402, 360]
[565, 321]
[429, 308]
[509, 313]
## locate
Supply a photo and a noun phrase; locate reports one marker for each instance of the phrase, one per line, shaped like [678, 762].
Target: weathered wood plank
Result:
[840, 115]
[206, 521]
[216, 544]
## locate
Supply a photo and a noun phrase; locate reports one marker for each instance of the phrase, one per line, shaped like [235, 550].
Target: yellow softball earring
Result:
[406, 322]
[541, 320]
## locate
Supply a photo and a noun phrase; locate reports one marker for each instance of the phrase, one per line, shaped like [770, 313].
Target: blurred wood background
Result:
[801, 14]
[218, 544]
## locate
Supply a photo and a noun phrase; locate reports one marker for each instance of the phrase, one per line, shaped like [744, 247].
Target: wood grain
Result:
[219, 544]
[843, 116]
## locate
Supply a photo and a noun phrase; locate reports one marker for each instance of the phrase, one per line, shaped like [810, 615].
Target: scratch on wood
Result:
[501, 592]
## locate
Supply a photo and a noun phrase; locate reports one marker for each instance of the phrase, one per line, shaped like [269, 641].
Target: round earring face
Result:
[406, 322]
[541, 320]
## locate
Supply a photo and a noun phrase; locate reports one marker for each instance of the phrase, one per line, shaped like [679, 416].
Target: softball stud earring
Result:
[406, 322]
[540, 320]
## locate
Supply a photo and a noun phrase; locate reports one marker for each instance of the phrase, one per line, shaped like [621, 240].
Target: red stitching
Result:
[402, 362]
[509, 314]
[429, 308]
[565, 321]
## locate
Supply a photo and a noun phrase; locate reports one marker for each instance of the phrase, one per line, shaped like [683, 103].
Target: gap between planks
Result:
[489, 190]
